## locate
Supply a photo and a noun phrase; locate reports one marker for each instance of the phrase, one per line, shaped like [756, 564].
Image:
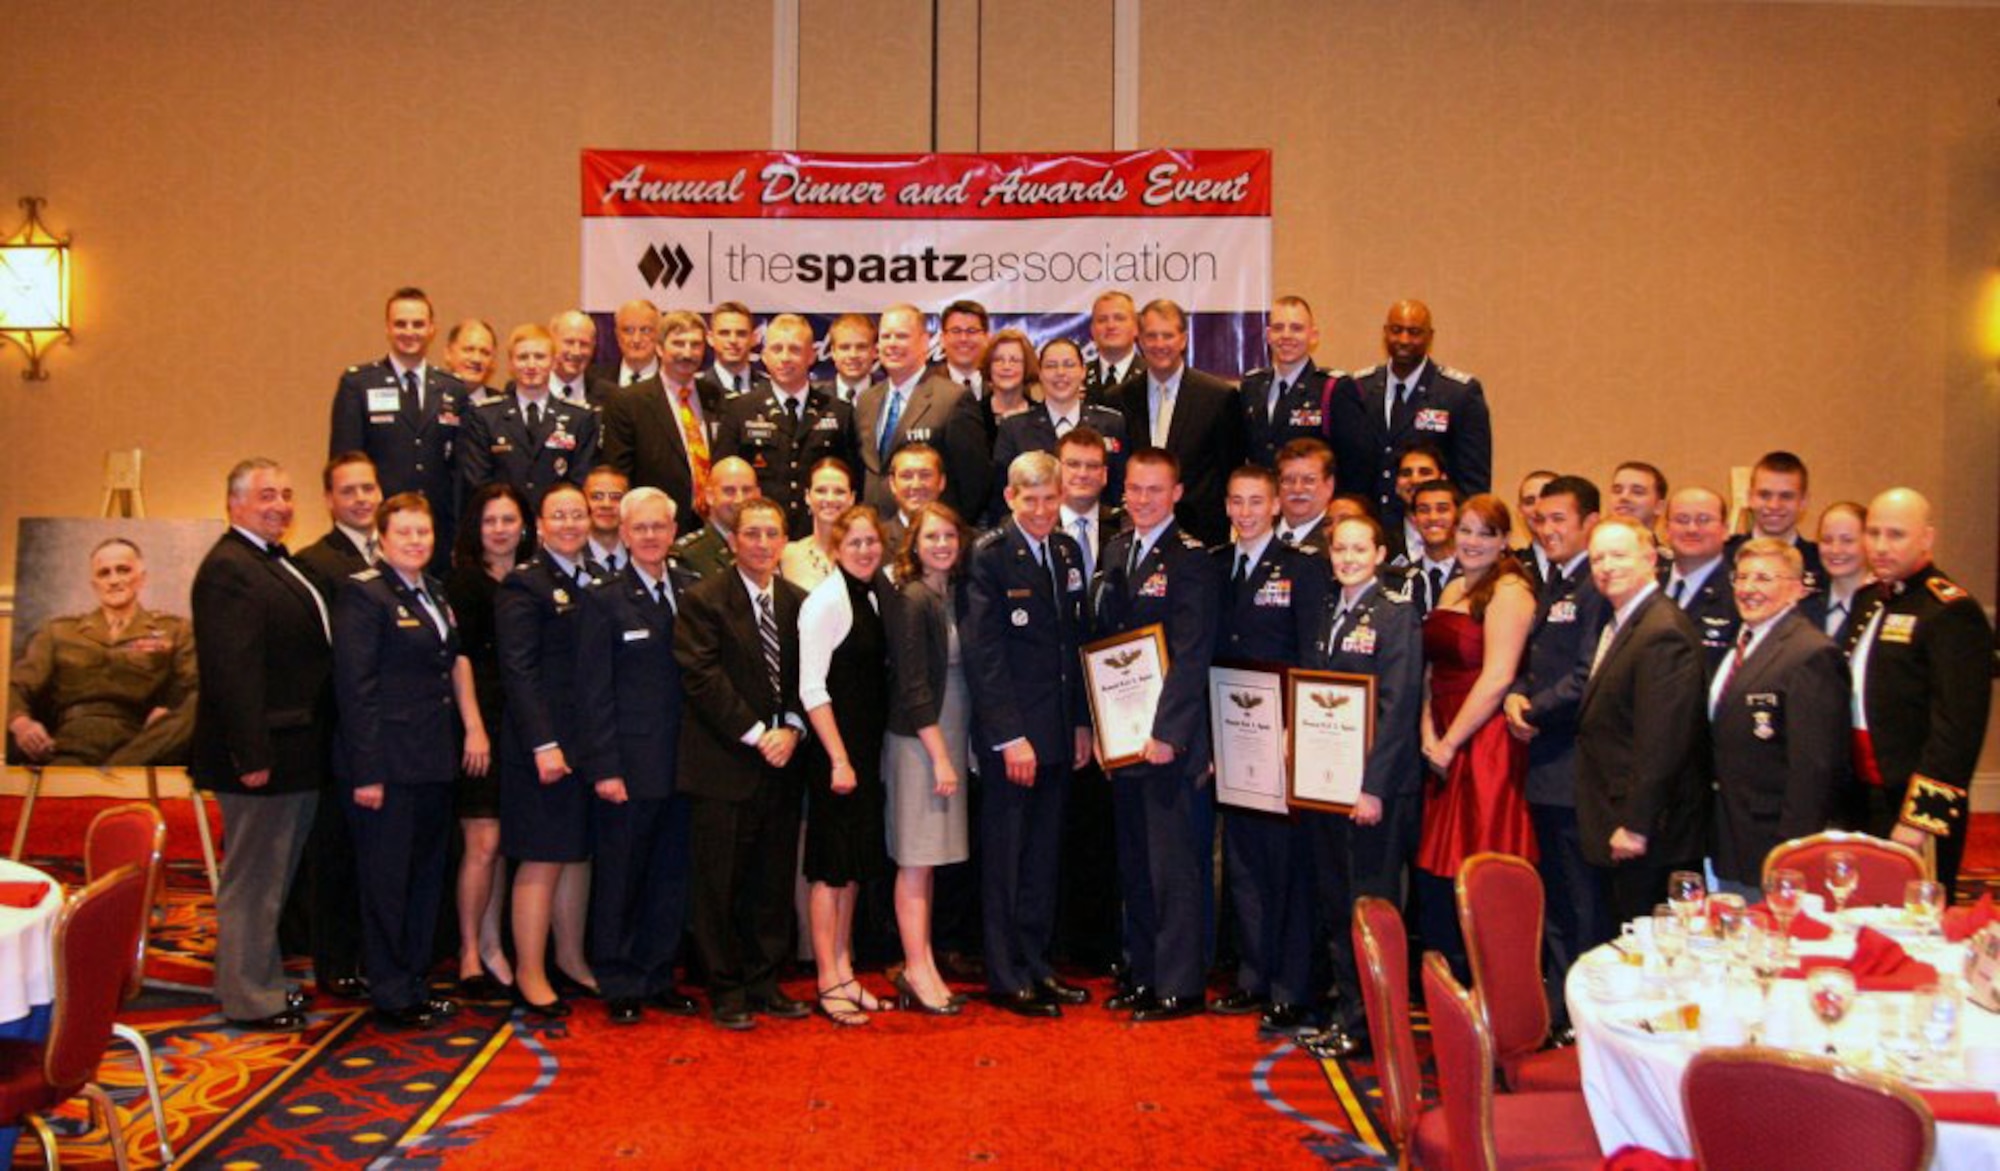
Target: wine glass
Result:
[1670, 935]
[1830, 991]
[1687, 895]
[1938, 1010]
[1923, 903]
[1843, 875]
[1766, 953]
[1784, 890]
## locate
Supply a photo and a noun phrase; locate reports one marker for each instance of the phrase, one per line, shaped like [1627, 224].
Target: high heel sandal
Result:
[846, 1011]
[906, 997]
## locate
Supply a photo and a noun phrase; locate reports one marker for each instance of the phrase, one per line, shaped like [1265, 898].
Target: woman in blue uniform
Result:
[406, 700]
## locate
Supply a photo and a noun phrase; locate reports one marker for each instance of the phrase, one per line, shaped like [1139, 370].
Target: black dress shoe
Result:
[296, 999]
[1236, 1003]
[735, 1019]
[569, 987]
[416, 1016]
[1169, 1008]
[1027, 1002]
[623, 1011]
[670, 1001]
[1136, 997]
[1332, 1041]
[289, 1021]
[1290, 1019]
[442, 1007]
[344, 987]
[1060, 991]
[483, 987]
[553, 1010]
[782, 1007]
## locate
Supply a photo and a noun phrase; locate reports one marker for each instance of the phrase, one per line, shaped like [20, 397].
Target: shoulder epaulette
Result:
[1337, 375]
[1455, 374]
[1259, 372]
[990, 537]
[368, 574]
[1369, 371]
[1946, 590]
[687, 539]
[1190, 541]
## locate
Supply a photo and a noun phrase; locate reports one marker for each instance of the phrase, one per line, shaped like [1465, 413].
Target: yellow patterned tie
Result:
[697, 444]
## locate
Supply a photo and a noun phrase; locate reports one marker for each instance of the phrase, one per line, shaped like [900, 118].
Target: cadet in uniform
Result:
[531, 438]
[1286, 400]
[787, 425]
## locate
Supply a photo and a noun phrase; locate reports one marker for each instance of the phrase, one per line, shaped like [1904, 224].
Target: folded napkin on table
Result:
[23, 894]
[1879, 964]
[1962, 923]
[1981, 1107]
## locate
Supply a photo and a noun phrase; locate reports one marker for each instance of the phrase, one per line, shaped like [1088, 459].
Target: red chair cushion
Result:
[1883, 872]
[1539, 1130]
[1544, 1072]
[23, 1090]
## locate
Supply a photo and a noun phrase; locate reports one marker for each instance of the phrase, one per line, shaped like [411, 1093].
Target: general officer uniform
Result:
[533, 446]
[1036, 429]
[1369, 431]
[411, 436]
[394, 644]
[1161, 857]
[782, 438]
[1277, 411]
[1025, 619]
[535, 616]
[1378, 635]
[628, 728]
[93, 690]
[1273, 602]
[1922, 683]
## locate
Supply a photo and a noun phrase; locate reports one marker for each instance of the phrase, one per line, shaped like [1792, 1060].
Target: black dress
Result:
[471, 590]
[845, 832]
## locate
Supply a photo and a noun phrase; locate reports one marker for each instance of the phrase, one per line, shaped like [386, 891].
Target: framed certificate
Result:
[1124, 675]
[1332, 728]
[1246, 720]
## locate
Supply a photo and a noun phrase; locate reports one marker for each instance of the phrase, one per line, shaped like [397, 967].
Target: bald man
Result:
[1922, 685]
[1406, 399]
[573, 381]
[710, 549]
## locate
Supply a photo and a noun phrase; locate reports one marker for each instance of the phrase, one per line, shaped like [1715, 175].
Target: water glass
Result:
[1843, 875]
[1939, 1012]
[1687, 894]
[1923, 903]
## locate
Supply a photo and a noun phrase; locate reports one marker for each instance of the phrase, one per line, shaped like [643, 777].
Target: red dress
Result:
[1482, 805]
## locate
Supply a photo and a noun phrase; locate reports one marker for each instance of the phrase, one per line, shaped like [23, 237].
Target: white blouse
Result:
[825, 620]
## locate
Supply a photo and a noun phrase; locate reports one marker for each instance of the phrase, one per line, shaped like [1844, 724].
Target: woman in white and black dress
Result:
[923, 758]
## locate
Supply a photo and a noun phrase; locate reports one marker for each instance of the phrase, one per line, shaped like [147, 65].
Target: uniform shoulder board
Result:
[687, 540]
[990, 537]
[1455, 374]
[1337, 375]
[1190, 541]
[369, 574]
[354, 369]
[1947, 591]
[1366, 373]
[1311, 548]
[1259, 372]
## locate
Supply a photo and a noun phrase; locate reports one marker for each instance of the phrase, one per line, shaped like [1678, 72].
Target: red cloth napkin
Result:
[1804, 926]
[23, 894]
[1637, 1158]
[1980, 1107]
[1879, 964]
[1962, 923]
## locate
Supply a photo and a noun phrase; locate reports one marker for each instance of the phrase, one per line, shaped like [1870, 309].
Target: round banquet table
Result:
[26, 967]
[1632, 1080]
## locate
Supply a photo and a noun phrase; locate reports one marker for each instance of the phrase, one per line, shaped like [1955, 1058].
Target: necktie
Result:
[889, 418]
[534, 416]
[1082, 530]
[1836, 616]
[581, 573]
[611, 562]
[1729, 672]
[660, 593]
[413, 395]
[1675, 589]
[1163, 417]
[1604, 638]
[1132, 563]
[696, 441]
[1396, 392]
[767, 633]
[1437, 587]
[276, 551]
[1288, 536]
[1109, 378]
[1242, 568]
[373, 550]
[1279, 388]
[430, 609]
[1063, 426]
[792, 408]
[1048, 567]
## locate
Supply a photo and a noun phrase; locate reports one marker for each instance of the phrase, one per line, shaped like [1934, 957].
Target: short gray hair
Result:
[239, 476]
[631, 501]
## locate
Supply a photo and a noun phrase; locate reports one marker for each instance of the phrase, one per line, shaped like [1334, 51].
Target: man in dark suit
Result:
[737, 642]
[636, 329]
[261, 732]
[330, 915]
[1367, 631]
[1305, 490]
[1186, 412]
[1286, 400]
[1642, 743]
[529, 437]
[1155, 572]
[575, 334]
[628, 727]
[1407, 399]
[469, 349]
[1541, 709]
[1698, 578]
[914, 405]
[1778, 716]
[1025, 618]
[658, 430]
[1922, 655]
[1114, 339]
[850, 346]
[732, 331]
[1273, 602]
[788, 424]
[404, 414]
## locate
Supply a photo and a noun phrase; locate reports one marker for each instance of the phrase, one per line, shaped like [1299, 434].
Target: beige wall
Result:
[1681, 231]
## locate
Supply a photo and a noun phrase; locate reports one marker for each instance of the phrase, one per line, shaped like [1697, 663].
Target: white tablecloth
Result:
[26, 975]
[1632, 1081]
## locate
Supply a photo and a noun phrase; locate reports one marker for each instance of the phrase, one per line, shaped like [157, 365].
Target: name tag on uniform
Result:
[1359, 641]
[1563, 611]
[758, 431]
[1898, 627]
[1276, 592]
[409, 622]
[918, 435]
[384, 398]
[1154, 586]
[1433, 419]
[637, 635]
[379, 419]
[1020, 593]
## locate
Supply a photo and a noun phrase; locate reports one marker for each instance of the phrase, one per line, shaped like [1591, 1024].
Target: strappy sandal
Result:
[846, 1011]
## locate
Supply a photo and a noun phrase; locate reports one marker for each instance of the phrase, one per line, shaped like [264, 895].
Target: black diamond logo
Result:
[666, 265]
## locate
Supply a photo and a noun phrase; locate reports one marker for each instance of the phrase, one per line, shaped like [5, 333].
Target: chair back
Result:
[1500, 912]
[133, 834]
[95, 945]
[1884, 865]
[1382, 952]
[1769, 1110]
[1464, 1053]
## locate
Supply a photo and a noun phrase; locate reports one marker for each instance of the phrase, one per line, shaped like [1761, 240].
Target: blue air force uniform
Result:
[500, 443]
[414, 445]
[1035, 430]
[1299, 413]
[535, 615]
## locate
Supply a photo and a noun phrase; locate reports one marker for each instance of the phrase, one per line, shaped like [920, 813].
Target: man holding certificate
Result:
[1156, 576]
[1273, 600]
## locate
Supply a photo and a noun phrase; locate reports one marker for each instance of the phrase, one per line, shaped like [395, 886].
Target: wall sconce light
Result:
[34, 289]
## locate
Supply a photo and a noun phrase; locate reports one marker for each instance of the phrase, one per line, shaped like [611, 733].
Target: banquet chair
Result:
[1753, 1109]
[1500, 913]
[1472, 1129]
[95, 940]
[134, 835]
[1382, 952]
[1884, 865]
